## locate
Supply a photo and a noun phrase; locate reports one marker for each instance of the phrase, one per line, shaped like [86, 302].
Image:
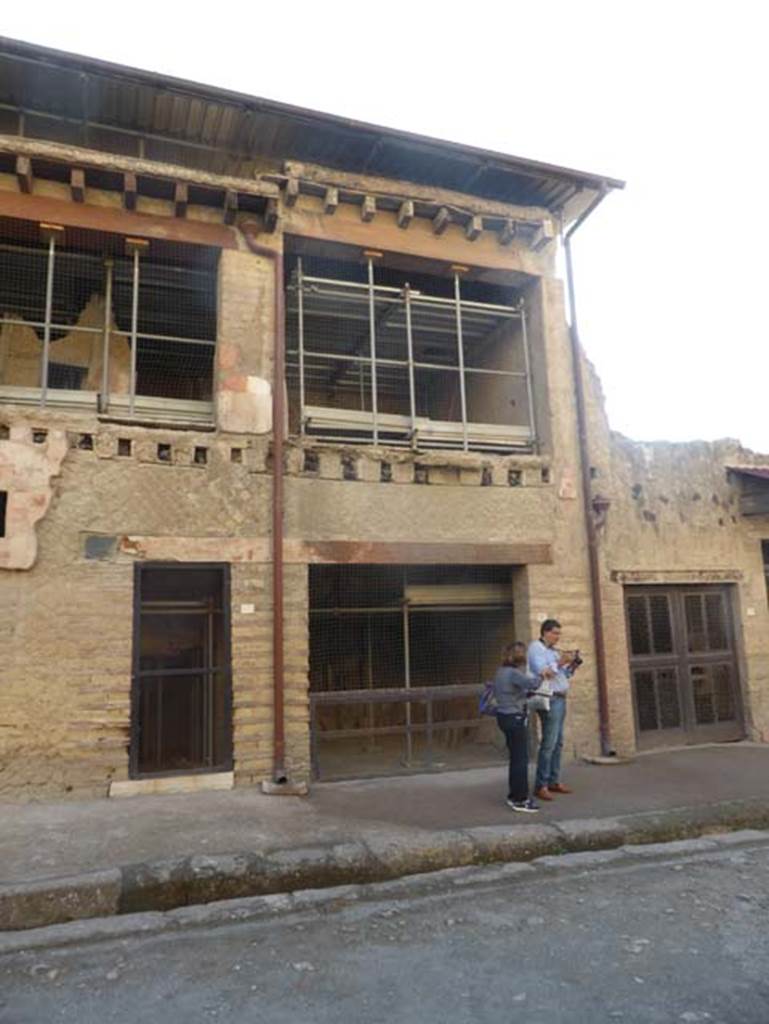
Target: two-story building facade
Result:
[293, 439]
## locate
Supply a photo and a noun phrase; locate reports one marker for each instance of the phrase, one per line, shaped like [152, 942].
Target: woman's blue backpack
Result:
[487, 704]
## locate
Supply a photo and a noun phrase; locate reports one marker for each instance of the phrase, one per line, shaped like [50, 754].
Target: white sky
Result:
[671, 97]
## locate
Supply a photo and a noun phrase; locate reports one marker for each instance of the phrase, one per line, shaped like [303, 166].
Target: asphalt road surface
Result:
[682, 939]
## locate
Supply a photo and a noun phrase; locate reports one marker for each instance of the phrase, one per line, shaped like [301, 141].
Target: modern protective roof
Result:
[63, 97]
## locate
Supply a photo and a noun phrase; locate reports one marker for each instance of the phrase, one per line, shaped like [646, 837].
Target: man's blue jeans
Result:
[551, 745]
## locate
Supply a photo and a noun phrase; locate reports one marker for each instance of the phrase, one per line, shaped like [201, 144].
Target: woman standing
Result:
[511, 687]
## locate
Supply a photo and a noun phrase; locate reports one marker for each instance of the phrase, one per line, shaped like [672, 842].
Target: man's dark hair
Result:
[547, 625]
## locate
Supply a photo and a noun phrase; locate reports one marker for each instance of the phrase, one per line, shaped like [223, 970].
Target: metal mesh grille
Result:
[712, 690]
[657, 699]
[397, 358]
[376, 631]
[706, 622]
[650, 624]
[68, 322]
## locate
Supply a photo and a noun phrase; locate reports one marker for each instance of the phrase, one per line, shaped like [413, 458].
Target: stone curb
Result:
[326, 900]
[185, 886]
[406, 888]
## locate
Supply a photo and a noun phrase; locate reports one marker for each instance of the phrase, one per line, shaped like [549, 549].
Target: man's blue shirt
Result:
[541, 657]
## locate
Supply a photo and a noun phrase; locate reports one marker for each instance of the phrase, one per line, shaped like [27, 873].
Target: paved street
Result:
[677, 939]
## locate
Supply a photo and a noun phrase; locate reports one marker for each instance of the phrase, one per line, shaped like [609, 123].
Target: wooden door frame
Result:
[133, 750]
[689, 733]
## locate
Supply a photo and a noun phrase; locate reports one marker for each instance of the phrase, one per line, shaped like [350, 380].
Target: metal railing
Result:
[417, 695]
[378, 364]
[142, 369]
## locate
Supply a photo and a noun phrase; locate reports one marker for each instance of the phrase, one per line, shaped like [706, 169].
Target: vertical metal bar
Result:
[429, 713]
[527, 364]
[372, 336]
[370, 679]
[300, 312]
[104, 397]
[407, 679]
[461, 357]
[134, 331]
[410, 345]
[47, 322]
[208, 737]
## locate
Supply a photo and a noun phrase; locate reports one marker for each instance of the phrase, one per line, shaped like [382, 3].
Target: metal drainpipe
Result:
[592, 540]
[278, 436]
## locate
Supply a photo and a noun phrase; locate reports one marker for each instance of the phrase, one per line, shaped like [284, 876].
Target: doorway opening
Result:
[683, 665]
[181, 717]
[398, 657]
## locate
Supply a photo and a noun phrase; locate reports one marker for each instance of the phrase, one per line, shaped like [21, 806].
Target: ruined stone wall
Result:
[674, 518]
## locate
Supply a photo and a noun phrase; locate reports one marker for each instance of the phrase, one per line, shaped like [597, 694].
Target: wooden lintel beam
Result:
[77, 185]
[330, 200]
[368, 209]
[405, 213]
[181, 198]
[441, 221]
[24, 174]
[473, 228]
[291, 193]
[112, 220]
[129, 191]
[507, 232]
[230, 206]
[271, 216]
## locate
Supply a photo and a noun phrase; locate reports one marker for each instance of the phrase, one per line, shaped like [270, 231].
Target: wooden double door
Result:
[683, 665]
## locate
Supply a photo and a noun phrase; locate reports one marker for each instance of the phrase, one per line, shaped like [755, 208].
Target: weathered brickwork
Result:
[102, 496]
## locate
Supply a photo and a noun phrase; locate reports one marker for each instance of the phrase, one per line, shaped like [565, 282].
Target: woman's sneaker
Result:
[524, 806]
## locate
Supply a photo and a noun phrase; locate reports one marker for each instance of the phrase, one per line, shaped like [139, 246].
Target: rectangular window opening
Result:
[392, 354]
[3, 509]
[85, 321]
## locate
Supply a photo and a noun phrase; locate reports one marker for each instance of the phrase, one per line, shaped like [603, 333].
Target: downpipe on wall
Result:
[590, 525]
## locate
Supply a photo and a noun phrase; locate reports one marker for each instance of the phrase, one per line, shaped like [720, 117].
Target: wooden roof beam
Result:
[24, 174]
[473, 228]
[181, 198]
[271, 215]
[129, 191]
[330, 201]
[77, 185]
[368, 209]
[441, 221]
[405, 213]
[507, 232]
[230, 206]
[291, 193]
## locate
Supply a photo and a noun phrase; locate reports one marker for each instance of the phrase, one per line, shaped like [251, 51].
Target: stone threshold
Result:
[173, 784]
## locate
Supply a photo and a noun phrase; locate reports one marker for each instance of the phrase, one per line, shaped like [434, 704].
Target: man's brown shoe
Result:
[558, 787]
[543, 793]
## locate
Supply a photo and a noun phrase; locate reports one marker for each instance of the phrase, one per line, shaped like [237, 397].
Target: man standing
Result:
[556, 669]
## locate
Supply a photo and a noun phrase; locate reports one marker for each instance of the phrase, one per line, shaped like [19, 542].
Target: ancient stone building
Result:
[292, 438]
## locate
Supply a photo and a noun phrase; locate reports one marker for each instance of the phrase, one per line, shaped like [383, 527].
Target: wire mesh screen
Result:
[379, 634]
[81, 313]
[376, 354]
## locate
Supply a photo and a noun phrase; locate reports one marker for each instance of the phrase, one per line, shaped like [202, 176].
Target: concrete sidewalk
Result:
[71, 860]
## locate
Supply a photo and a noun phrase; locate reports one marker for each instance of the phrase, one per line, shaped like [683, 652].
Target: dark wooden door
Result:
[682, 665]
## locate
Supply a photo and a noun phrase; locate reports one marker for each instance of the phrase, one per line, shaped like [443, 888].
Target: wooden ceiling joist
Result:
[77, 185]
[24, 174]
[331, 200]
[405, 213]
[368, 209]
[441, 221]
[129, 191]
[181, 198]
